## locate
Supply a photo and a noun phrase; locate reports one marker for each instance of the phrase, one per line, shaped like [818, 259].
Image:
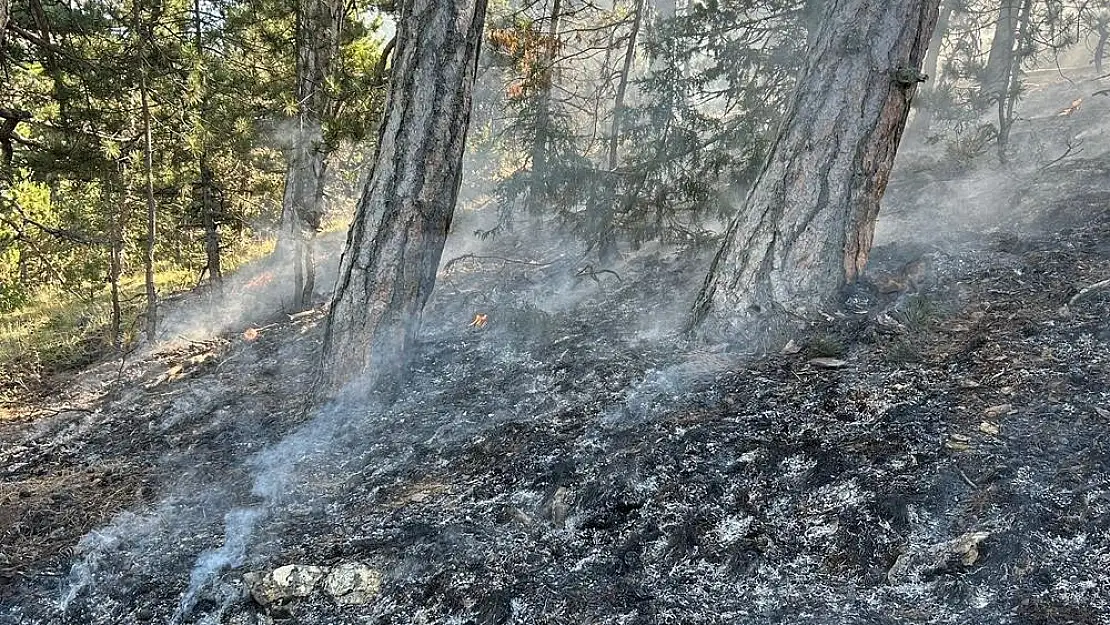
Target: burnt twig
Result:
[1098, 286]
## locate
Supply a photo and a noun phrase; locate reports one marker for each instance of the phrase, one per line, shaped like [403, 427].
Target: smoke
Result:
[239, 528]
[95, 547]
[276, 471]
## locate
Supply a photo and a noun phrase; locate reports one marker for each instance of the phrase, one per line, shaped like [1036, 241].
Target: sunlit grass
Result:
[58, 330]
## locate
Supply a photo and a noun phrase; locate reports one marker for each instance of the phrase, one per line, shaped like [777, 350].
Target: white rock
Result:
[284, 583]
[352, 583]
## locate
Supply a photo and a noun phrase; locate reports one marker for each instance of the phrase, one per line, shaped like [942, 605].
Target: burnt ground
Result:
[572, 461]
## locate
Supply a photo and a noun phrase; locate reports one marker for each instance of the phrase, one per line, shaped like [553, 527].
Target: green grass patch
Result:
[59, 330]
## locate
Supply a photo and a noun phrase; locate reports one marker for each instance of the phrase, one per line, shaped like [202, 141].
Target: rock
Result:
[283, 583]
[1000, 410]
[958, 442]
[352, 583]
[920, 563]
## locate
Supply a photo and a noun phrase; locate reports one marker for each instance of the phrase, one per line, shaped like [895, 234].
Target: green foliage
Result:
[918, 312]
[55, 330]
[708, 87]
[218, 75]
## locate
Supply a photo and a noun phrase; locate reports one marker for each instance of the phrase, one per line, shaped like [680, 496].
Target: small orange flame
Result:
[480, 321]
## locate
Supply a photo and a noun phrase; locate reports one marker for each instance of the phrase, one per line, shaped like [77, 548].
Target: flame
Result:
[250, 334]
[480, 321]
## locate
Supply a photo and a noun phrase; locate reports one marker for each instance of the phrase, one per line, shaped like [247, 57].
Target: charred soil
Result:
[935, 454]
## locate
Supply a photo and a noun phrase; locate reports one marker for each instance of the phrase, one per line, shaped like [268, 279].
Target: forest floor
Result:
[936, 453]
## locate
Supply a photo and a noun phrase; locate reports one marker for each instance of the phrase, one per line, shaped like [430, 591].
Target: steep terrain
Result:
[936, 454]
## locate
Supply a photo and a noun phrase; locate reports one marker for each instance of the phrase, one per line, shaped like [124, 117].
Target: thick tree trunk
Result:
[806, 228]
[538, 188]
[394, 245]
[317, 40]
[923, 116]
[151, 213]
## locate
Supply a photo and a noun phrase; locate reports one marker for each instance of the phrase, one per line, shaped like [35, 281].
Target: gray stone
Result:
[352, 583]
[283, 583]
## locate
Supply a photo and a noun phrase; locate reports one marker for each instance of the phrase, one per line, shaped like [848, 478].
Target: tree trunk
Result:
[5, 14]
[538, 192]
[806, 228]
[1001, 57]
[209, 212]
[1100, 47]
[317, 41]
[622, 85]
[1007, 97]
[151, 212]
[115, 269]
[603, 229]
[926, 108]
[395, 242]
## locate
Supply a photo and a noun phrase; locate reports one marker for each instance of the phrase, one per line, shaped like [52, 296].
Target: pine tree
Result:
[807, 225]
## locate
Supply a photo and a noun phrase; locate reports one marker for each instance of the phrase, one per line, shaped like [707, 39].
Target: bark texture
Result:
[319, 24]
[394, 245]
[1001, 57]
[807, 226]
[5, 13]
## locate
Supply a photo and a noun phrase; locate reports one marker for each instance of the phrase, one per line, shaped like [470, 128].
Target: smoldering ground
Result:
[562, 463]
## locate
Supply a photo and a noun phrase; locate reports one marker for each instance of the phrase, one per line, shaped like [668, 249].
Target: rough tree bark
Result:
[806, 227]
[5, 13]
[394, 245]
[1001, 57]
[317, 42]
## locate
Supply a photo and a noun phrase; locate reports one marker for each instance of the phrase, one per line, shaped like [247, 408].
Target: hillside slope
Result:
[937, 454]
